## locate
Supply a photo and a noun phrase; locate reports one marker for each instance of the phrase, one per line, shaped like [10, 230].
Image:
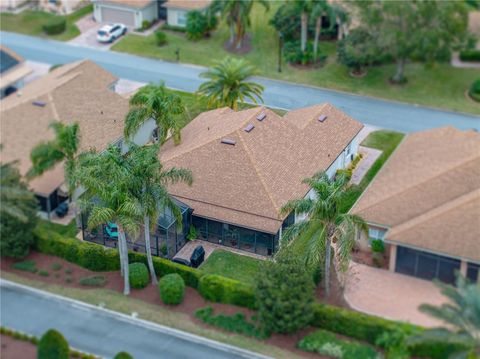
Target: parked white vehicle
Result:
[111, 32]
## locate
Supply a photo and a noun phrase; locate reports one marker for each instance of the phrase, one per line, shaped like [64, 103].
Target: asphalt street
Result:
[372, 111]
[101, 332]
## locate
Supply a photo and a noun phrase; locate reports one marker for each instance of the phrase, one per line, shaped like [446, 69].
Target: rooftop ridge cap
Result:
[54, 108]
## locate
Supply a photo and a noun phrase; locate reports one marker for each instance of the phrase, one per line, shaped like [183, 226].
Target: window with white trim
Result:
[181, 18]
[376, 233]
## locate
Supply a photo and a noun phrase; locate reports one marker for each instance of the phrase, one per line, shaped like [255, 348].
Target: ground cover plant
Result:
[28, 266]
[93, 281]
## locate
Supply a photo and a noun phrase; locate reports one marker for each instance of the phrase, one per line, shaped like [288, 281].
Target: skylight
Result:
[39, 103]
[249, 127]
[228, 141]
[322, 118]
[261, 116]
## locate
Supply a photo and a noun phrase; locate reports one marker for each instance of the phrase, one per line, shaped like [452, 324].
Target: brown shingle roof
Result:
[77, 92]
[187, 4]
[246, 184]
[420, 194]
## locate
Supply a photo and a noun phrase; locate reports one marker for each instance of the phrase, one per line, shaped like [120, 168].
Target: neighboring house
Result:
[131, 13]
[177, 10]
[247, 164]
[13, 71]
[425, 204]
[63, 7]
[10, 5]
[80, 92]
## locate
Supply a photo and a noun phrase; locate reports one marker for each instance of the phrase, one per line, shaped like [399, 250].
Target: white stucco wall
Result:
[174, 14]
[148, 13]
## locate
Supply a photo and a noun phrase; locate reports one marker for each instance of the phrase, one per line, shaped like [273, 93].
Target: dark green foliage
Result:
[53, 345]
[219, 289]
[55, 26]
[357, 50]
[326, 343]
[93, 281]
[172, 289]
[294, 55]
[160, 38]
[197, 25]
[43, 273]
[394, 343]
[164, 249]
[470, 55]
[27, 266]
[284, 293]
[474, 91]
[123, 355]
[378, 246]
[56, 266]
[192, 233]
[287, 21]
[146, 25]
[138, 274]
[68, 270]
[236, 323]
[173, 28]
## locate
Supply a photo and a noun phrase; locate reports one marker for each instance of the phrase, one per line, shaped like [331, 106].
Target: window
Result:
[376, 233]
[472, 272]
[181, 18]
[349, 149]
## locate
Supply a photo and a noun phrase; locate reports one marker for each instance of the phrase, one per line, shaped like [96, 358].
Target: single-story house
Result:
[425, 205]
[63, 7]
[13, 71]
[131, 13]
[177, 10]
[247, 164]
[80, 92]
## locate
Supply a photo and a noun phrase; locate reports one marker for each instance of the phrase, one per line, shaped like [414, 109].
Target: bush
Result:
[55, 26]
[146, 25]
[56, 266]
[474, 91]
[470, 55]
[236, 323]
[160, 38]
[172, 289]
[196, 25]
[284, 293]
[220, 289]
[27, 266]
[294, 55]
[53, 345]
[192, 233]
[43, 273]
[357, 50]
[378, 259]
[173, 28]
[123, 355]
[326, 343]
[138, 275]
[93, 281]
[378, 246]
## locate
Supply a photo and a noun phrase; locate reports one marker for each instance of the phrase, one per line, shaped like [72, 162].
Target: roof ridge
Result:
[462, 163]
[54, 108]
[435, 212]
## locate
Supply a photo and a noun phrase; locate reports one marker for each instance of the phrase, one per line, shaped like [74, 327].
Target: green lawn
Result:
[231, 265]
[69, 231]
[442, 86]
[30, 23]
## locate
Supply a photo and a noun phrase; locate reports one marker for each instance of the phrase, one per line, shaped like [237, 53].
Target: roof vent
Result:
[322, 118]
[249, 127]
[39, 103]
[261, 116]
[229, 141]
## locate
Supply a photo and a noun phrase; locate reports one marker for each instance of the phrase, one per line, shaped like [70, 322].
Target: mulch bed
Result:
[193, 300]
[364, 257]
[15, 349]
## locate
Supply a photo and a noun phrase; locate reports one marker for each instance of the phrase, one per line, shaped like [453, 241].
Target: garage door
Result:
[115, 15]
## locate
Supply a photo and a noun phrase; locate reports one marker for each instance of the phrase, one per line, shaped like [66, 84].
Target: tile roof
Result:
[422, 191]
[77, 92]
[138, 4]
[247, 183]
[187, 4]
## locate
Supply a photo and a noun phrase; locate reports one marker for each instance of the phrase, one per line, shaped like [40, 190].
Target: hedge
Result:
[52, 345]
[138, 275]
[55, 26]
[220, 289]
[172, 289]
[470, 55]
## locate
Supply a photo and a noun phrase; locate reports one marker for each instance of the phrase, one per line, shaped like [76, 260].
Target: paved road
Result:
[380, 113]
[102, 332]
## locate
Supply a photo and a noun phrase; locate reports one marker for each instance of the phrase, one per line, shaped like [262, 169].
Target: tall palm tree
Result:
[461, 314]
[237, 15]
[304, 7]
[321, 8]
[157, 103]
[227, 85]
[107, 182]
[325, 222]
[63, 148]
[149, 181]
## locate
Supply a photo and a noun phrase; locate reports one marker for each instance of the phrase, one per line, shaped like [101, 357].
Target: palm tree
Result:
[325, 222]
[157, 103]
[461, 314]
[320, 8]
[63, 147]
[107, 183]
[303, 7]
[149, 181]
[227, 85]
[237, 15]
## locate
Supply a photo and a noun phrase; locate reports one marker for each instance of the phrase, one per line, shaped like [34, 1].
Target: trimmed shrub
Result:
[55, 26]
[470, 55]
[93, 281]
[378, 246]
[172, 289]
[160, 38]
[236, 323]
[53, 345]
[326, 343]
[43, 273]
[173, 28]
[27, 266]
[474, 91]
[192, 233]
[294, 55]
[196, 25]
[56, 266]
[220, 289]
[123, 355]
[138, 275]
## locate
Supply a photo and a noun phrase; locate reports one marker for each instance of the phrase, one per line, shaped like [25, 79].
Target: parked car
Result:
[197, 257]
[62, 209]
[181, 261]
[111, 32]
[110, 231]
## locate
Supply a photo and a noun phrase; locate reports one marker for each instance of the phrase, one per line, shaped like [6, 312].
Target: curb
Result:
[139, 322]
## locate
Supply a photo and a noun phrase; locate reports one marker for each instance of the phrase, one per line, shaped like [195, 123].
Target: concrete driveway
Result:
[88, 37]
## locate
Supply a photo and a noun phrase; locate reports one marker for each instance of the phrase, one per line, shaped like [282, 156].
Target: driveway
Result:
[373, 111]
[391, 295]
[103, 332]
[88, 38]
